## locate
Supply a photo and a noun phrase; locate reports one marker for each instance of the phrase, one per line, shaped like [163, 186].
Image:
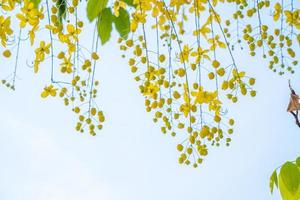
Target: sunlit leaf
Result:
[285, 193]
[130, 3]
[36, 2]
[289, 180]
[94, 7]
[298, 161]
[273, 180]
[105, 25]
[122, 23]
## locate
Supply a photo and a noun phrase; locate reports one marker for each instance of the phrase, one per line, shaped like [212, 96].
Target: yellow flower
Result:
[63, 38]
[95, 56]
[49, 90]
[36, 66]
[23, 20]
[54, 29]
[198, 6]
[184, 55]
[216, 42]
[66, 65]
[203, 30]
[5, 29]
[117, 5]
[40, 14]
[7, 53]
[238, 75]
[31, 34]
[71, 47]
[42, 50]
[29, 14]
[293, 18]
[73, 32]
[28, 7]
[200, 54]
[202, 96]
[151, 90]
[277, 12]
[179, 3]
[137, 18]
[9, 5]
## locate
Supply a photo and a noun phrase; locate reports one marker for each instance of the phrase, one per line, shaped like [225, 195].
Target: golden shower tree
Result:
[175, 49]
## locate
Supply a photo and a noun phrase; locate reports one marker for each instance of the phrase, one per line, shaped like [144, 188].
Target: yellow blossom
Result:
[49, 90]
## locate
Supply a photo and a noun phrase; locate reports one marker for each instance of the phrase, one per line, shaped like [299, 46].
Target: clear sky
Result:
[44, 158]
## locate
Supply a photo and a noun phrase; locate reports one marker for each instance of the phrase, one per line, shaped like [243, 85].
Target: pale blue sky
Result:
[43, 158]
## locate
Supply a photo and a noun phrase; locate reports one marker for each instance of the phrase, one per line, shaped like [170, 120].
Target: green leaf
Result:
[36, 3]
[290, 176]
[122, 23]
[273, 180]
[298, 161]
[285, 193]
[104, 25]
[94, 8]
[130, 3]
[62, 8]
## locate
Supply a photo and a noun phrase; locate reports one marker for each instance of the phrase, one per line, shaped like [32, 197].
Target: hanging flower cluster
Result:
[181, 52]
[182, 73]
[69, 61]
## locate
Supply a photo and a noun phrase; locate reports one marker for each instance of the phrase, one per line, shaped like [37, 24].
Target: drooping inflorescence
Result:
[72, 66]
[182, 54]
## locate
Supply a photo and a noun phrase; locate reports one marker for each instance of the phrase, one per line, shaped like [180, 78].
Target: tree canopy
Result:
[176, 50]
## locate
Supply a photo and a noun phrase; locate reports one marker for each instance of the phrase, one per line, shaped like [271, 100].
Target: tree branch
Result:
[296, 118]
[294, 114]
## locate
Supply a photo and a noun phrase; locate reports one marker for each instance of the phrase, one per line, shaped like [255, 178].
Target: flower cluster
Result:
[63, 48]
[176, 50]
[182, 73]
